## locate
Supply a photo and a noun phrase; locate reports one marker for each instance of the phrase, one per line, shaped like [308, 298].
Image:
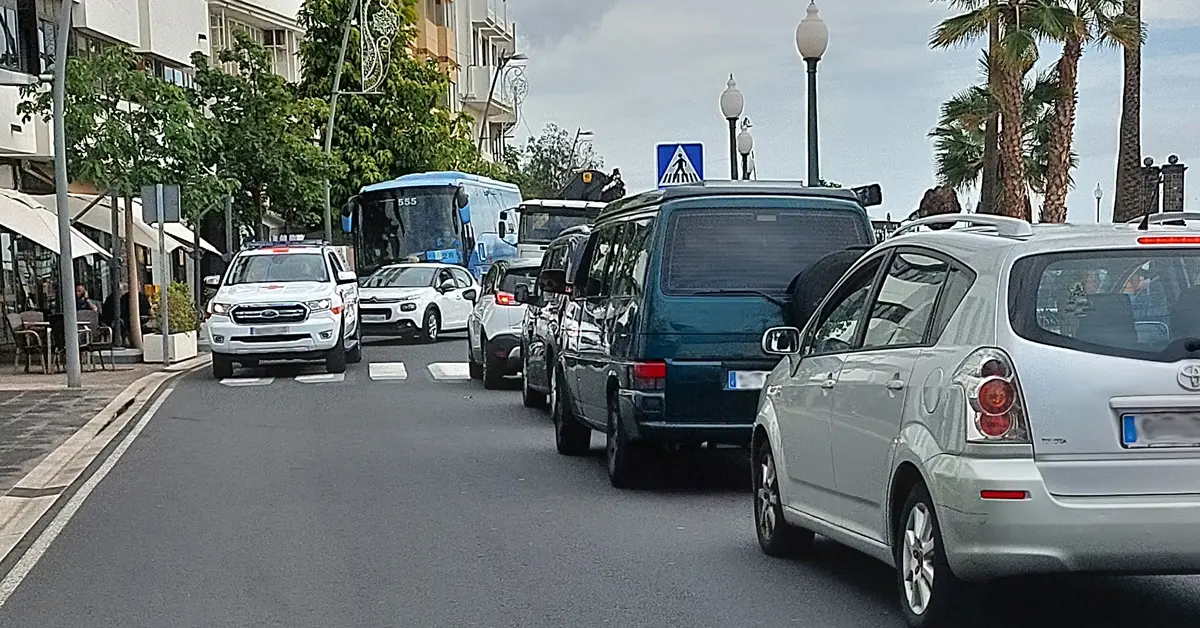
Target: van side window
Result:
[602, 255]
[629, 269]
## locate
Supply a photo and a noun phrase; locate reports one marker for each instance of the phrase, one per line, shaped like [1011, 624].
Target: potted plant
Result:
[182, 324]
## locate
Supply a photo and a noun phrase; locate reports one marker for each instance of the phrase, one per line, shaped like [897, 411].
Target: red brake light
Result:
[504, 298]
[650, 370]
[994, 425]
[995, 396]
[1009, 495]
[281, 250]
[1169, 240]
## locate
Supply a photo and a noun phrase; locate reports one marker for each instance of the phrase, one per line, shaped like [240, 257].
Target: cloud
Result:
[640, 72]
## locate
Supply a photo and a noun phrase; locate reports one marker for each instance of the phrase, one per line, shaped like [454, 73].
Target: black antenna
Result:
[1145, 224]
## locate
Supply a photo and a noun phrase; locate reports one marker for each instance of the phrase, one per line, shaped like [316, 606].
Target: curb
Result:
[26, 505]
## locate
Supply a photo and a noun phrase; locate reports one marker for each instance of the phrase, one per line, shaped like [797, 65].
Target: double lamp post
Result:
[812, 40]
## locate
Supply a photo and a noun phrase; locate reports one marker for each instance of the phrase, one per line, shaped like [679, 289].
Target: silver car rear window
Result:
[1142, 303]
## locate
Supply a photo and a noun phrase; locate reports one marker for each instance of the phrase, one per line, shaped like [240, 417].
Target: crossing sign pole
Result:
[680, 164]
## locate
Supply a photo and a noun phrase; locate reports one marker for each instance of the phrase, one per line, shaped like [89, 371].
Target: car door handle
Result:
[895, 384]
[829, 383]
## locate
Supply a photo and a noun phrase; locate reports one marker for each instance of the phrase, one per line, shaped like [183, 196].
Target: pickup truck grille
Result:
[269, 314]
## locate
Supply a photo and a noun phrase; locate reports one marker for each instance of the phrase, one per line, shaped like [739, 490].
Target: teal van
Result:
[669, 303]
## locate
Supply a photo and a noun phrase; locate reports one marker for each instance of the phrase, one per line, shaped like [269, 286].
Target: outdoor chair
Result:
[28, 343]
[58, 340]
[100, 340]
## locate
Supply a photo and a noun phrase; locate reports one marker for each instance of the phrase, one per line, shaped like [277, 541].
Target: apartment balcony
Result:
[447, 45]
[426, 43]
[492, 19]
[475, 94]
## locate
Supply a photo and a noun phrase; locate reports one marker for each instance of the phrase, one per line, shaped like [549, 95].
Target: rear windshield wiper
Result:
[756, 293]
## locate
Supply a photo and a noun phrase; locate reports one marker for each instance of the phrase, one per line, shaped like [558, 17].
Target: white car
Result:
[494, 331]
[994, 401]
[284, 301]
[420, 298]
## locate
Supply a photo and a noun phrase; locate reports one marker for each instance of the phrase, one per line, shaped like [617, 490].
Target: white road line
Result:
[39, 547]
[321, 378]
[450, 370]
[247, 381]
[388, 371]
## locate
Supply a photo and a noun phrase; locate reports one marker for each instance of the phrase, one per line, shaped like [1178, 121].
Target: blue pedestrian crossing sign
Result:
[680, 164]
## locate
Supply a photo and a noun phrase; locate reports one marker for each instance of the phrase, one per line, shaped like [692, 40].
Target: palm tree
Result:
[989, 179]
[1128, 197]
[1075, 23]
[1016, 55]
[959, 137]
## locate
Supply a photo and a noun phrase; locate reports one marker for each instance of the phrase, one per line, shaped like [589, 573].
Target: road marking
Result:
[388, 371]
[60, 521]
[450, 370]
[247, 381]
[321, 378]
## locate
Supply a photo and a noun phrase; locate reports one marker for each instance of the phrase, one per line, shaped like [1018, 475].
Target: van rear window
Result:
[1142, 304]
[752, 249]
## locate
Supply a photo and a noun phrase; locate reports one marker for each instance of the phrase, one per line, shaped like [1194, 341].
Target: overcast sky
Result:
[640, 72]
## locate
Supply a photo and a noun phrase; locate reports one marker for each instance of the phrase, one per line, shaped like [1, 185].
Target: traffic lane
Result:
[428, 503]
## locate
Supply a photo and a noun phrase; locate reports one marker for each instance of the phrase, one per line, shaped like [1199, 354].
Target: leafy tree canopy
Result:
[548, 162]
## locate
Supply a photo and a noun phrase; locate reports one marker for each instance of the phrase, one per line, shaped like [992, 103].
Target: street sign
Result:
[680, 164]
[170, 201]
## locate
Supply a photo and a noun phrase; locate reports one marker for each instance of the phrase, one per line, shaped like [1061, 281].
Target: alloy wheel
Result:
[916, 562]
[767, 496]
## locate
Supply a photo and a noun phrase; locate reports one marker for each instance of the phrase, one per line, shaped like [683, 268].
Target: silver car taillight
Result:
[996, 411]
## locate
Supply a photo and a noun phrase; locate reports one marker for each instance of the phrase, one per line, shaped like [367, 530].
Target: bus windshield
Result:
[410, 222]
[540, 227]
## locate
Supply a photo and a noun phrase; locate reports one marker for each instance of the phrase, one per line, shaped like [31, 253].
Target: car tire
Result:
[931, 596]
[222, 366]
[493, 371]
[354, 354]
[530, 398]
[475, 368]
[431, 326]
[335, 360]
[571, 438]
[626, 458]
[776, 536]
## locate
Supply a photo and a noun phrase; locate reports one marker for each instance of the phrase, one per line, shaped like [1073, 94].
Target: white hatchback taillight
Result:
[996, 409]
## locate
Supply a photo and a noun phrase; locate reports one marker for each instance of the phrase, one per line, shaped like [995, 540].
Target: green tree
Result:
[1128, 198]
[550, 161]
[407, 126]
[959, 136]
[265, 136]
[1015, 56]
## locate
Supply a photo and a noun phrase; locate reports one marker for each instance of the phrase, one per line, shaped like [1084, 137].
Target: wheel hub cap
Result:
[767, 496]
[917, 559]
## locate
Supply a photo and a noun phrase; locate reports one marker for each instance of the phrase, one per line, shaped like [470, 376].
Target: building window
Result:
[10, 51]
[47, 40]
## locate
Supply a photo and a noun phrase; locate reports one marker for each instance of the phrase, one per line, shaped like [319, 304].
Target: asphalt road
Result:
[426, 503]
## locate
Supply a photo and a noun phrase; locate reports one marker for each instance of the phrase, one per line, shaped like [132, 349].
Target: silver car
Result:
[990, 401]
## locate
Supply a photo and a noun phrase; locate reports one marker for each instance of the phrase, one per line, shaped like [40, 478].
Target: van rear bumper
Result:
[644, 419]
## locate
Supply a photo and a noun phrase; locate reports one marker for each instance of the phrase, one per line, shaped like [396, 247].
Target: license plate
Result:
[374, 318]
[277, 330]
[1161, 429]
[746, 380]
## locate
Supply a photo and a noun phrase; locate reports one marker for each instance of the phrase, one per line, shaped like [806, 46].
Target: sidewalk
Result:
[38, 413]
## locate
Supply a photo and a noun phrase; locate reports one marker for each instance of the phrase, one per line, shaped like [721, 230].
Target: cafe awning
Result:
[99, 217]
[25, 216]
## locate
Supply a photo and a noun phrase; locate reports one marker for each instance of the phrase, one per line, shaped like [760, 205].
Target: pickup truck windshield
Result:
[292, 267]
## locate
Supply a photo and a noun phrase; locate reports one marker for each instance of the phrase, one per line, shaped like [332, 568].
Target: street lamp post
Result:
[1099, 193]
[745, 146]
[812, 40]
[487, 107]
[579, 134]
[65, 259]
[732, 105]
[333, 98]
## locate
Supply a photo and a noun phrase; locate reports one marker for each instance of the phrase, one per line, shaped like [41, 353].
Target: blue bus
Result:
[449, 217]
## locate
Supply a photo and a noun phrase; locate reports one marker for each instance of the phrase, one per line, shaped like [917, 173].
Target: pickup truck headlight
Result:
[320, 305]
[219, 309]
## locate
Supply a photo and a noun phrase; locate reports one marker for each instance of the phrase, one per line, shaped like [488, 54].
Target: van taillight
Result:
[996, 410]
[649, 375]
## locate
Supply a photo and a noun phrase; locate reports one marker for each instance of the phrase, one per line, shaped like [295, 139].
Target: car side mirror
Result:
[869, 195]
[781, 341]
[213, 281]
[346, 276]
[446, 286]
[502, 229]
[524, 295]
[461, 198]
[552, 282]
[470, 295]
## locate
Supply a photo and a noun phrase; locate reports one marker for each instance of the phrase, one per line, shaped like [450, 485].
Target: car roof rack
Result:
[1163, 217]
[1004, 226]
[270, 244]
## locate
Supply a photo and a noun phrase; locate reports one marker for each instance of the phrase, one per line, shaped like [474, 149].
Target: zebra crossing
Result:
[381, 372]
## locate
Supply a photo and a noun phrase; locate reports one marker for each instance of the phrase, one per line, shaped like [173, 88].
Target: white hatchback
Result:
[993, 401]
[417, 299]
